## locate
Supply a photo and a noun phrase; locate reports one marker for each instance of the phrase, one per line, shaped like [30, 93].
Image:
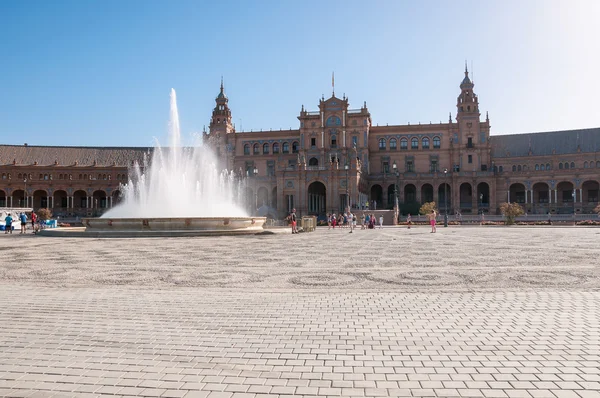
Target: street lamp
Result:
[481, 202]
[255, 173]
[346, 167]
[25, 193]
[397, 173]
[574, 194]
[445, 198]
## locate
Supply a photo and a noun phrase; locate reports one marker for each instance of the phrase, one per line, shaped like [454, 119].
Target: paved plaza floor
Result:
[465, 312]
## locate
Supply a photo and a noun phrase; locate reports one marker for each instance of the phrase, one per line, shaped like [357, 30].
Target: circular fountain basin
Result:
[184, 226]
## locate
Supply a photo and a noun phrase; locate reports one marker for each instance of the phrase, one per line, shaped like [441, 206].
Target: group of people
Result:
[349, 220]
[22, 217]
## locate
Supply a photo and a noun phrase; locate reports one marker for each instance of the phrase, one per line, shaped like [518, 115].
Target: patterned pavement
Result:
[466, 312]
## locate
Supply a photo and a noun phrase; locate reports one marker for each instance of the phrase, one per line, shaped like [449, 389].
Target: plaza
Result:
[465, 312]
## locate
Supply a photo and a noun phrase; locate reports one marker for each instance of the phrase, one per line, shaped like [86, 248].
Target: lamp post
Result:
[346, 166]
[25, 193]
[397, 174]
[255, 173]
[481, 202]
[445, 198]
[574, 194]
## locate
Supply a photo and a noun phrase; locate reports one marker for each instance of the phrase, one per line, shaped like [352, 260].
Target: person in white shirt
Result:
[380, 221]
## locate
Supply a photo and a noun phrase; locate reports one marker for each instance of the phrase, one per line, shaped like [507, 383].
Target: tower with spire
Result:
[221, 129]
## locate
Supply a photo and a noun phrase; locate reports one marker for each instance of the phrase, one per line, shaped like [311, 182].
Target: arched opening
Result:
[410, 193]
[376, 196]
[263, 197]
[517, 193]
[40, 199]
[483, 196]
[3, 199]
[60, 199]
[590, 194]
[99, 200]
[250, 203]
[79, 200]
[391, 196]
[466, 197]
[445, 197]
[541, 196]
[316, 198]
[18, 198]
[427, 193]
[313, 162]
[565, 196]
[274, 198]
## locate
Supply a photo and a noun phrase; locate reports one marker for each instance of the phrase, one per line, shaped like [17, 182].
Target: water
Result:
[180, 182]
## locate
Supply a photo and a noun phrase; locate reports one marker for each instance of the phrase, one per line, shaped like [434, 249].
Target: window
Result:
[593, 195]
[333, 141]
[585, 164]
[542, 167]
[414, 143]
[519, 168]
[433, 167]
[592, 164]
[295, 147]
[313, 162]
[548, 166]
[537, 167]
[60, 176]
[403, 143]
[597, 163]
[524, 167]
[276, 147]
[270, 168]
[313, 142]
[285, 148]
[265, 149]
[381, 144]
[355, 140]
[393, 144]
[410, 166]
[566, 165]
[469, 142]
[500, 169]
[41, 176]
[386, 167]
[247, 149]
[572, 165]
[425, 143]
[255, 149]
[19, 176]
[85, 177]
[514, 168]
[437, 142]
[560, 166]
[470, 159]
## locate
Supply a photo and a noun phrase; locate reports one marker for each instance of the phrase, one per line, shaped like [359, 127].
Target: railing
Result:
[313, 113]
[467, 219]
[317, 168]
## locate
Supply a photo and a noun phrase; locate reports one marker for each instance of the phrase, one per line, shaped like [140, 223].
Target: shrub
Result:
[44, 214]
[597, 209]
[588, 222]
[427, 208]
[510, 211]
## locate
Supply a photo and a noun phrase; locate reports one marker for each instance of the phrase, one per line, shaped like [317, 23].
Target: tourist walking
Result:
[408, 220]
[8, 224]
[363, 221]
[350, 223]
[34, 219]
[23, 219]
[293, 219]
[432, 217]
[328, 221]
[381, 221]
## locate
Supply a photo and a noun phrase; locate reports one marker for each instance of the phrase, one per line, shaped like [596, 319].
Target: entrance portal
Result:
[317, 198]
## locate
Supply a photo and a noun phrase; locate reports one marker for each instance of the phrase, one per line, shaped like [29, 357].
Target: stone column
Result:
[556, 196]
[526, 197]
[508, 195]
[580, 195]
[550, 197]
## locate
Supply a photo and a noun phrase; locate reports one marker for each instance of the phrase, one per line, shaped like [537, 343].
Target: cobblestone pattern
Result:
[70, 333]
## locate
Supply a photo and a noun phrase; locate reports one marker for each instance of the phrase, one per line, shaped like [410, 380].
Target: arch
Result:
[590, 190]
[537, 167]
[566, 165]
[313, 161]
[255, 149]
[500, 169]
[316, 198]
[483, 195]
[437, 142]
[274, 198]
[427, 193]
[517, 193]
[391, 195]
[519, 168]
[333, 121]
[246, 149]
[585, 164]
[548, 166]
[425, 144]
[403, 143]
[445, 196]
[592, 164]
[59, 199]
[414, 143]
[79, 199]
[18, 198]
[541, 193]
[99, 200]
[3, 199]
[295, 147]
[265, 149]
[525, 167]
[276, 148]
[565, 195]
[285, 148]
[514, 168]
[542, 167]
[40, 199]
[393, 144]
[410, 193]
[263, 197]
[382, 144]
[465, 195]
[376, 194]
[572, 165]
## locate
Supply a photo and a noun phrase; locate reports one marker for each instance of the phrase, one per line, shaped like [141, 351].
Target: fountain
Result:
[179, 192]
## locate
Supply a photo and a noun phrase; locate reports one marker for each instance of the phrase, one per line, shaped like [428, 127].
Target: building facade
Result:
[338, 158]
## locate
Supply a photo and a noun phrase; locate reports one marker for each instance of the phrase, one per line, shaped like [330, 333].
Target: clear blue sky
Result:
[99, 72]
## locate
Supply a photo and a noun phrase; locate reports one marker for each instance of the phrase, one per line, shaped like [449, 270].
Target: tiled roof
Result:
[69, 156]
[542, 144]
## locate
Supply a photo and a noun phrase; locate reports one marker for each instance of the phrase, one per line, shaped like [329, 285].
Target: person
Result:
[8, 224]
[363, 221]
[432, 217]
[408, 220]
[374, 205]
[34, 219]
[482, 218]
[381, 221]
[328, 221]
[23, 219]
[293, 219]
[333, 221]
[350, 223]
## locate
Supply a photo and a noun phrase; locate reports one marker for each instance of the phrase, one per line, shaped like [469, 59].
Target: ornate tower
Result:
[221, 131]
[470, 134]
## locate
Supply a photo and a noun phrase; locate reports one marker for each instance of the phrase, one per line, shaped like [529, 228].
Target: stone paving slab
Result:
[212, 318]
